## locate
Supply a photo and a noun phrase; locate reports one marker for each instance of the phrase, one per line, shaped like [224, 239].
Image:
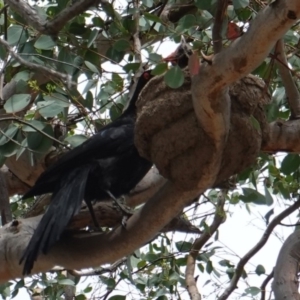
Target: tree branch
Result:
[285, 284]
[240, 266]
[218, 24]
[264, 285]
[240, 58]
[72, 252]
[199, 243]
[32, 66]
[291, 90]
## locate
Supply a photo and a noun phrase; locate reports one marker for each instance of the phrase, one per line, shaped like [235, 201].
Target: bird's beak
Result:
[172, 58]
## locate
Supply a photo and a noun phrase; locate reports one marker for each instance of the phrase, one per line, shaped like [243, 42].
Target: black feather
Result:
[107, 163]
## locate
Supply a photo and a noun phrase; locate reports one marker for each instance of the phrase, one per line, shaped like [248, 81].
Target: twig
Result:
[32, 126]
[136, 38]
[218, 24]
[199, 243]
[161, 9]
[240, 266]
[27, 13]
[137, 46]
[32, 66]
[112, 268]
[77, 7]
[264, 284]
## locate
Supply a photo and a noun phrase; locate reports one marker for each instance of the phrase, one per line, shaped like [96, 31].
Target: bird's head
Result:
[180, 56]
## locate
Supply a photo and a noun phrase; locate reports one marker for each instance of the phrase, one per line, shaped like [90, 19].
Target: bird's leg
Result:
[92, 212]
[127, 211]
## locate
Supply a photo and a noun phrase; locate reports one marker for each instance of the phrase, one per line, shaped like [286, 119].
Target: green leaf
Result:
[187, 21]
[269, 198]
[160, 69]
[122, 45]
[77, 29]
[16, 34]
[255, 123]
[23, 75]
[174, 78]
[115, 55]
[252, 290]
[131, 67]
[260, 270]
[88, 289]
[183, 246]
[92, 37]
[253, 196]
[17, 103]
[115, 111]
[66, 59]
[155, 58]
[98, 22]
[237, 4]
[290, 164]
[209, 267]
[148, 3]
[39, 142]
[19, 284]
[118, 82]
[89, 85]
[117, 297]
[76, 140]
[9, 149]
[44, 42]
[89, 100]
[66, 281]
[204, 4]
[36, 124]
[52, 106]
[152, 17]
[80, 297]
[21, 150]
[91, 66]
[268, 215]
[9, 134]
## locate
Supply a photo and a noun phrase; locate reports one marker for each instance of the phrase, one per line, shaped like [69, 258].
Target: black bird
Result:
[106, 165]
[180, 56]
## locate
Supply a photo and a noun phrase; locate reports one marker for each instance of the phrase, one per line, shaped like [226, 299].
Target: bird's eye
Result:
[146, 75]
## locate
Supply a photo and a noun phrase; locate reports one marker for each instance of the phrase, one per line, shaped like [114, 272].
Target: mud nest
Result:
[168, 133]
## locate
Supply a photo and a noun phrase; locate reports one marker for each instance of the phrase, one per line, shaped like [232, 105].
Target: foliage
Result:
[49, 114]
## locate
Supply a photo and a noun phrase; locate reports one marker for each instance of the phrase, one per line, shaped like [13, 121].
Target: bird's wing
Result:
[110, 141]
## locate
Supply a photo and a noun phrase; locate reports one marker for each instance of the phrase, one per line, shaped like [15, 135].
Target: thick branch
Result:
[244, 54]
[285, 284]
[72, 252]
[283, 136]
[218, 24]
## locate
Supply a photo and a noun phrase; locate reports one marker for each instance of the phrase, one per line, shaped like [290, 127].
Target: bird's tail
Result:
[65, 203]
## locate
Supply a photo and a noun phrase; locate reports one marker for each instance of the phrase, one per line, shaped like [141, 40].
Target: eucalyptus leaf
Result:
[174, 78]
[17, 103]
[45, 42]
[8, 134]
[76, 140]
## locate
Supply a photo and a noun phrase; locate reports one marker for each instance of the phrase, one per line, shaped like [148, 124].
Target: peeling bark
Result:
[285, 284]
